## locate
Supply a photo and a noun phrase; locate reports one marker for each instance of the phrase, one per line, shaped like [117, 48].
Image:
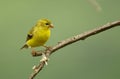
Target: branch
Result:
[69, 41]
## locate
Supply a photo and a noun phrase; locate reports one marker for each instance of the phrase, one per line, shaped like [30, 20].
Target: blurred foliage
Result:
[98, 57]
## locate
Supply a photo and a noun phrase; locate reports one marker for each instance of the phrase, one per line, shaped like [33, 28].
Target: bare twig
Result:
[69, 41]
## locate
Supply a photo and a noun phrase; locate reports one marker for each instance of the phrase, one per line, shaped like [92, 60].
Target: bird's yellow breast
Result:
[40, 36]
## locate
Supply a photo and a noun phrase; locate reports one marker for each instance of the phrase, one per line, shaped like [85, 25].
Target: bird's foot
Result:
[48, 47]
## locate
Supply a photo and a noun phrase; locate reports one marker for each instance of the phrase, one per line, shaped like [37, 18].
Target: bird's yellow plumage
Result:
[39, 34]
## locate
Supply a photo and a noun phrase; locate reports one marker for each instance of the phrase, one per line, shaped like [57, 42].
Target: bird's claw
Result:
[48, 47]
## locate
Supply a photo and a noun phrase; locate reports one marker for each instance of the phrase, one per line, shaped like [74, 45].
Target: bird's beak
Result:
[51, 26]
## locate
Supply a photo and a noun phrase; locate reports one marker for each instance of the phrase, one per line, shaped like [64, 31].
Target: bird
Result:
[39, 34]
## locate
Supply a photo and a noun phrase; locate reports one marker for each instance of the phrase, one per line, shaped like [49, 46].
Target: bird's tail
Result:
[25, 46]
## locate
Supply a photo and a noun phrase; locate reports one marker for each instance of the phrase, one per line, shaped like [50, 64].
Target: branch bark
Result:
[69, 41]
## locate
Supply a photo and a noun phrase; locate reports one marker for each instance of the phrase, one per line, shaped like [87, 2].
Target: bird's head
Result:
[45, 23]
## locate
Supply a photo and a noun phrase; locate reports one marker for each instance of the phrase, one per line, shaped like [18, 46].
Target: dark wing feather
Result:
[30, 34]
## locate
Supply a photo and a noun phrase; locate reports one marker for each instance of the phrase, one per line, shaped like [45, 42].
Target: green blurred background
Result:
[97, 57]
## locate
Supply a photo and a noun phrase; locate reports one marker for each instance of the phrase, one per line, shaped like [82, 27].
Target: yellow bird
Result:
[39, 34]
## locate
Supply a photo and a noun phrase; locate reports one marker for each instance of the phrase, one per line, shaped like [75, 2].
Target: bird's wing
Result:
[30, 34]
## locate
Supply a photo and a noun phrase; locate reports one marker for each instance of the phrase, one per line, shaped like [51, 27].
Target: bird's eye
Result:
[47, 23]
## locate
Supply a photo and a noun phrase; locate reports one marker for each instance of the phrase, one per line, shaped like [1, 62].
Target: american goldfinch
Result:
[39, 34]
